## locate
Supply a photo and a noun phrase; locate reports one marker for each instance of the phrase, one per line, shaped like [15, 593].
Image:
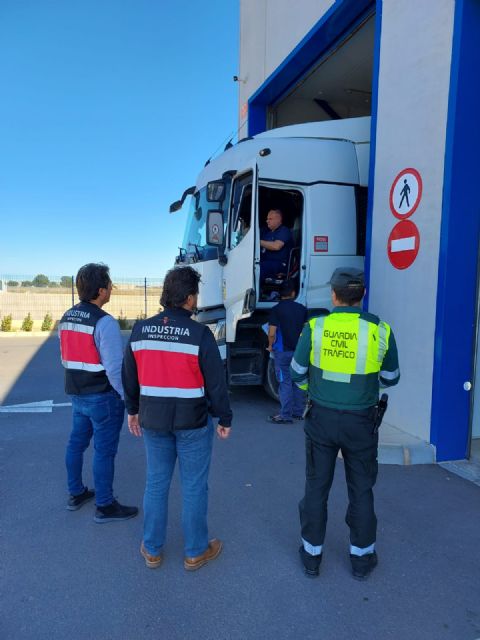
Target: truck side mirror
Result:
[216, 191]
[215, 228]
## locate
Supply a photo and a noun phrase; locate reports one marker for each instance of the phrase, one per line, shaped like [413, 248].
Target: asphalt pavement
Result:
[63, 576]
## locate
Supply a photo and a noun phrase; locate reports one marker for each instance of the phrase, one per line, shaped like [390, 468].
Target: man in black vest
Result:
[174, 381]
[91, 348]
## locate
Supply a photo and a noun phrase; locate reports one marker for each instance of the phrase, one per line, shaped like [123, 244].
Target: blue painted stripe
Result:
[373, 148]
[460, 228]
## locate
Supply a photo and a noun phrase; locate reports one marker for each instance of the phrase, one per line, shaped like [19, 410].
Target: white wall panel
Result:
[412, 114]
[269, 31]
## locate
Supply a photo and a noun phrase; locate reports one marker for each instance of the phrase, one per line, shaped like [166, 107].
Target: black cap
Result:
[347, 277]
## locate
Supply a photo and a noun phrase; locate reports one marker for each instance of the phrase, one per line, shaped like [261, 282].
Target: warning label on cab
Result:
[320, 244]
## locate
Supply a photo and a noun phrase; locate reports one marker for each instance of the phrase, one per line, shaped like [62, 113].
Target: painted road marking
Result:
[43, 406]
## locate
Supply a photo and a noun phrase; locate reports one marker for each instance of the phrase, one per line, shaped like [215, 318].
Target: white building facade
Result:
[413, 67]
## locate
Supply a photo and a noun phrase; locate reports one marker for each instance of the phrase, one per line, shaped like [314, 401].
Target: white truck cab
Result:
[317, 175]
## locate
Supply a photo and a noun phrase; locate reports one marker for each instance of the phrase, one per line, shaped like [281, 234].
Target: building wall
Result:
[269, 31]
[413, 91]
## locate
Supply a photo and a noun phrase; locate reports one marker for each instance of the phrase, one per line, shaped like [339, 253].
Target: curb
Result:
[406, 454]
[466, 469]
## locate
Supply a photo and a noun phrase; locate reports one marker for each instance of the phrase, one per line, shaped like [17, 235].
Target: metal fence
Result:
[41, 295]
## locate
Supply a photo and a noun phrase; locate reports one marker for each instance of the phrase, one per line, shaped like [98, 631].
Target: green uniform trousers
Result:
[326, 432]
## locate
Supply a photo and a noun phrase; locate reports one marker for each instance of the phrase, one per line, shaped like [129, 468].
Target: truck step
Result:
[238, 379]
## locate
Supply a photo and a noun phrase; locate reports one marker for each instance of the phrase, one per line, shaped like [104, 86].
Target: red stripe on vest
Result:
[78, 347]
[166, 369]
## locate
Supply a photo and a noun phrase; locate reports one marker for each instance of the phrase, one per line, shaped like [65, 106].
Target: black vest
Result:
[84, 372]
[172, 389]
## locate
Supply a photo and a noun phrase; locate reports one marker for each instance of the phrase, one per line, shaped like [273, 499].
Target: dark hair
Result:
[350, 295]
[90, 279]
[179, 283]
[287, 288]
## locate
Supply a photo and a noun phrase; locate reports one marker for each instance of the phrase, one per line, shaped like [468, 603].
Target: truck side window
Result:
[241, 209]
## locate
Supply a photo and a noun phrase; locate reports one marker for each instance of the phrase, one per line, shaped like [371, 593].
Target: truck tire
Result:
[271, 383]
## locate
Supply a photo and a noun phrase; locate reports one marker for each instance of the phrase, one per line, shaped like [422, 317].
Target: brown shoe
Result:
[213, 551]
[152, 562]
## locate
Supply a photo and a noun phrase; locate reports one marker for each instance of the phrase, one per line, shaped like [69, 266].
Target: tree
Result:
[40, 280]
[66, 281]
[26, 283]
[12, 283]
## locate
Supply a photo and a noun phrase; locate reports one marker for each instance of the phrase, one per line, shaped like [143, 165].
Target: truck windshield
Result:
[195, 239]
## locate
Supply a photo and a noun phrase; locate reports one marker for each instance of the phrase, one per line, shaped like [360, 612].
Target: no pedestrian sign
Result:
[406, 193]
[403, 244]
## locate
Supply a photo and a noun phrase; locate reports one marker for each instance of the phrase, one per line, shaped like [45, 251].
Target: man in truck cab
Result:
[276, 243]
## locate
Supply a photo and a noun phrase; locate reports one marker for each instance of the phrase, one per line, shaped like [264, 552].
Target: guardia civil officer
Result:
[174, 381]
[343, 358]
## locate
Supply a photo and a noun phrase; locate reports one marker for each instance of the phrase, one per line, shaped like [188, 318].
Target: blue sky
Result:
[108, 111]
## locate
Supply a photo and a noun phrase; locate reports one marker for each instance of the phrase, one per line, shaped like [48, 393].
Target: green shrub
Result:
[27, 324]
[12, 283]
[7, 323]
[47, 322]
[141, 316]
[122, 320]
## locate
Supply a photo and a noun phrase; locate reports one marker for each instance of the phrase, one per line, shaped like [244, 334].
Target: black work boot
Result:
[362, 566]
[311, 564]
[113, 512]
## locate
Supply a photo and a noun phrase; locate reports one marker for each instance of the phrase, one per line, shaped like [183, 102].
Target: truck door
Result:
[239, 273]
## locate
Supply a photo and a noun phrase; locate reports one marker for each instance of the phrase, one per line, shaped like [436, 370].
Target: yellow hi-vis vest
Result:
[345, 344]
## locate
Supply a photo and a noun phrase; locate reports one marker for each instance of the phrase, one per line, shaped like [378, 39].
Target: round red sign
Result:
[403, 244]
[406, 193]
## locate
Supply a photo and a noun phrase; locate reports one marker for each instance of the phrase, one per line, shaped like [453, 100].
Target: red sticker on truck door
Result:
[320, 244]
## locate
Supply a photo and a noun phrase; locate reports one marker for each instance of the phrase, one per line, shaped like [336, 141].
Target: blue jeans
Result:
[292, 399]
[99, 415]
[193, 447]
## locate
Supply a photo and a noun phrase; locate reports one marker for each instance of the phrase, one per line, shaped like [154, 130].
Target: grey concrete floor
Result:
[63, 576]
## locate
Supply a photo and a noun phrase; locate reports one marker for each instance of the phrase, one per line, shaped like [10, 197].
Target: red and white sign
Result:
[406, 193]
[403, 244]
[320, 244]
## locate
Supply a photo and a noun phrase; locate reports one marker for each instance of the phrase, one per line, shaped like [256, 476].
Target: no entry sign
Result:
[403, 244]
[406, 193]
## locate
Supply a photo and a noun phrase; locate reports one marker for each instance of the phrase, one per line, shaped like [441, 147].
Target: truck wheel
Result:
[271, 383]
